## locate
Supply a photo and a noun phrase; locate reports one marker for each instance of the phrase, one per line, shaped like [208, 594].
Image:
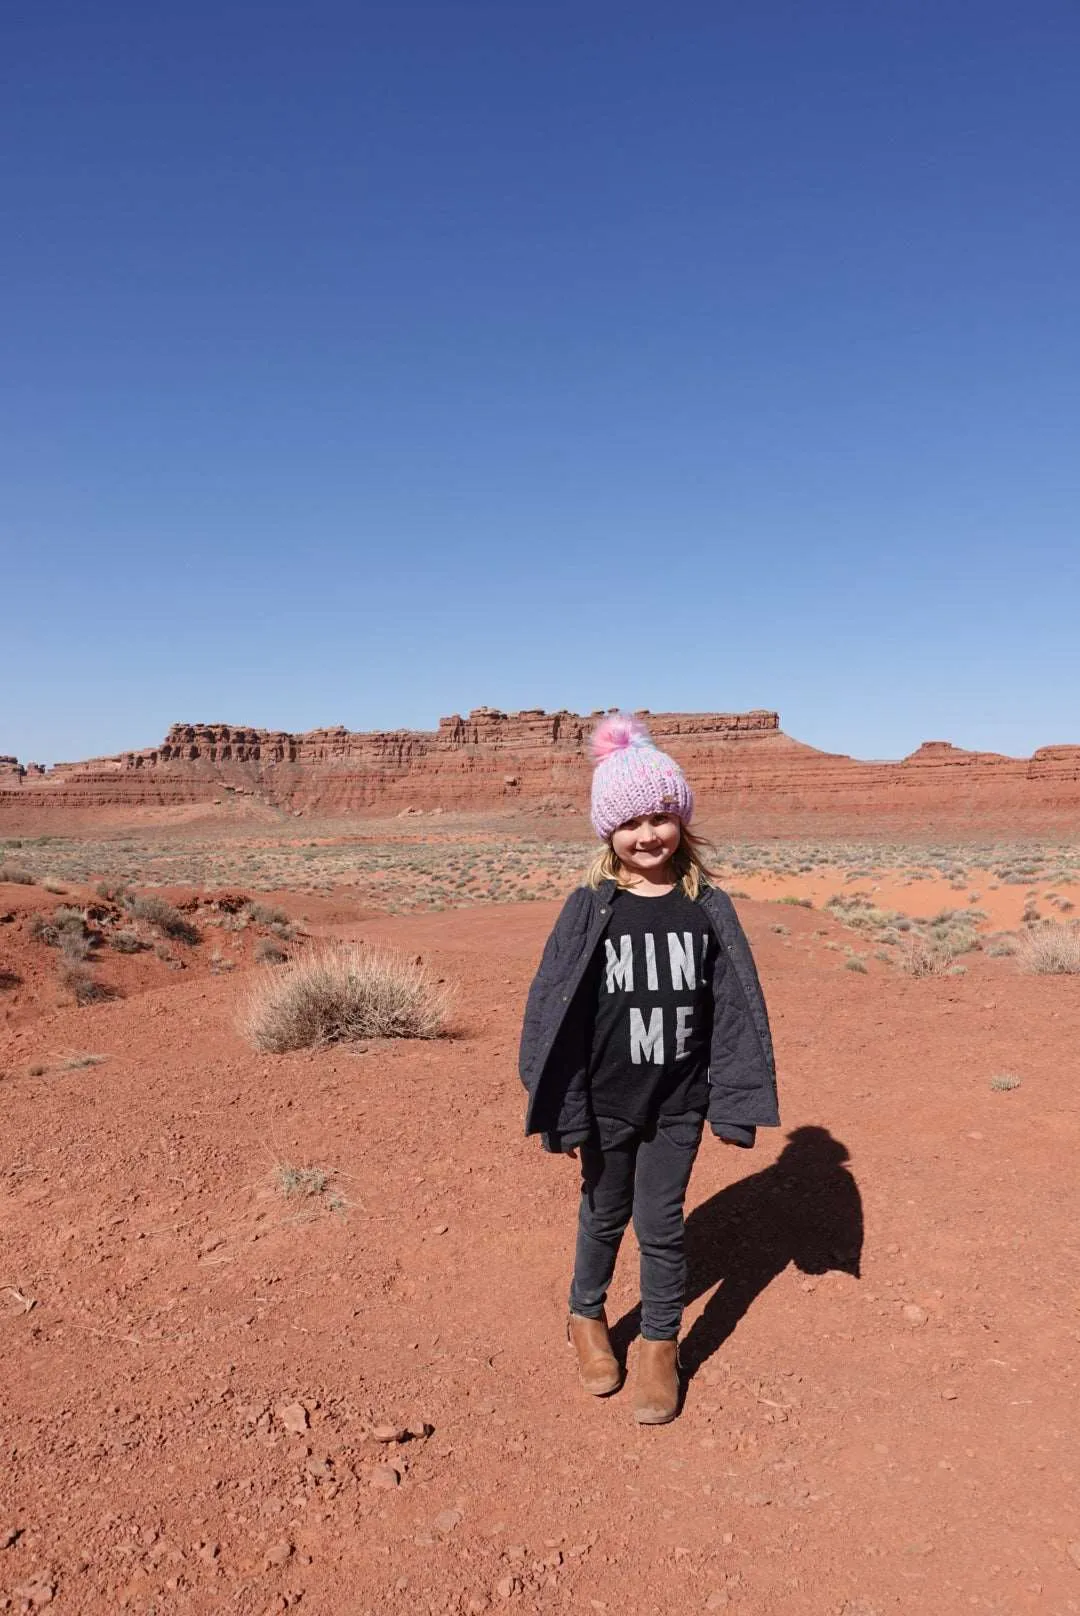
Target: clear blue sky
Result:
[364, 363]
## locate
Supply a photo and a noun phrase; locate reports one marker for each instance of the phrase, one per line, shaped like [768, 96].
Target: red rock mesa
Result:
[750, 778]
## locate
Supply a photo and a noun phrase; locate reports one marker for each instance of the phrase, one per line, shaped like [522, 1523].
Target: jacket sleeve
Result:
[742, 1076]
[545, 982]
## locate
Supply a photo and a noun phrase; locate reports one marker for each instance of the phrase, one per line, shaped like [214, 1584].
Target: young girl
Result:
[645, 1018]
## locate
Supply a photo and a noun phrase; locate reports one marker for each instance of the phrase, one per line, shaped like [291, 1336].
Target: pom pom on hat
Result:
[615, 733]
[633, 777]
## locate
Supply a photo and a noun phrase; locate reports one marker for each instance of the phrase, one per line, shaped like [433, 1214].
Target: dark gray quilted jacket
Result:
[556, 1036]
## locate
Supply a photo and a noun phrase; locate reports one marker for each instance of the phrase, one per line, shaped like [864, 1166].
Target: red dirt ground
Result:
[881, 1413]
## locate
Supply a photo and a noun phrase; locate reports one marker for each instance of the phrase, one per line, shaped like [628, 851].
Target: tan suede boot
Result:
[598, 1367]
[656, 1391]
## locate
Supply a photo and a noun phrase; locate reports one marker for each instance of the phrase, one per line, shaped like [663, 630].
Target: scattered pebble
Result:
[9, 1537]
[441, 1228]
[506, 1587]
[294, 1417]
[384, 1476]
[389, 1433]
[278, 1553]
[39, 1591]
[914, 1314]
[1074, 1554]
[447, 1520]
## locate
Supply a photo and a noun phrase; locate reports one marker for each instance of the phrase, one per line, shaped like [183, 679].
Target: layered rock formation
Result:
[750, 778]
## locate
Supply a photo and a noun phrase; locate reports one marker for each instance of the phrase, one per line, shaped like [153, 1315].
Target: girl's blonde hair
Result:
[689, 862]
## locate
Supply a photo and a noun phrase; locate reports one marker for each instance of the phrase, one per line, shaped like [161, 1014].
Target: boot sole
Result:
[645, 1417]
[601, 1391]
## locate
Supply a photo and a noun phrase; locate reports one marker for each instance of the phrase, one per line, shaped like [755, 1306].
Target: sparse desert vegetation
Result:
[140, 1132]
[1050, 950]
[344, 993]
[16, 874]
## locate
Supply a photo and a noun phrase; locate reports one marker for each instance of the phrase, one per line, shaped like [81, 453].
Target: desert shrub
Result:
[42, 930]
[855, 965]
[112, 891]
[270, 952]
[799, 903]
[76, 943]
[1001, 944]
[65, 928]
[267, 915]
[920, 958]
[1052, 950]
[82, 984]
[166, 917]
[51, 884]
[343, 993]
[8, 979]
[300, 1181]
[126, 941]
[1004, 1082]
[16, 875]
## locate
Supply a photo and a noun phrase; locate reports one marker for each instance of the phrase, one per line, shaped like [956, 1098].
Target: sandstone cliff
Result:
[750, 778]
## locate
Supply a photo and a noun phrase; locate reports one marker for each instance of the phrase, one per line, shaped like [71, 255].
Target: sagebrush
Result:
[343, 993]
[1052, 950]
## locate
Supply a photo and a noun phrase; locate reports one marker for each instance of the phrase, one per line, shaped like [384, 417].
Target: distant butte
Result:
[750, 778]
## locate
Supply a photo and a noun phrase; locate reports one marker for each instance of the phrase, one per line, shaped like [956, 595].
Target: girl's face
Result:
[645, 846]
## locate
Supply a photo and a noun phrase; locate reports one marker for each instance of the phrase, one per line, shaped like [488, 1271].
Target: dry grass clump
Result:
[1004, 1082]
[65, 929]
[300, 1181]
[264, 914]
[268, 951]
[166, 917]
[1052, 950]
[82, 984]
[344, 993]
[16, 875]
[51, 884]
[112, 891]
[8, 979]
[920, 958]
[310, 1185]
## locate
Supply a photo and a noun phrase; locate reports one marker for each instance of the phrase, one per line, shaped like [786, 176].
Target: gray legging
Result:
[644, 1174]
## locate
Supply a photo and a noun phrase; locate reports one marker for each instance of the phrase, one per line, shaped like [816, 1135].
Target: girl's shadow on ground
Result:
[804, 1209]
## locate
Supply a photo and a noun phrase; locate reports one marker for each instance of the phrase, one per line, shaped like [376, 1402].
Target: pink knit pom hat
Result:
[633, 777]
